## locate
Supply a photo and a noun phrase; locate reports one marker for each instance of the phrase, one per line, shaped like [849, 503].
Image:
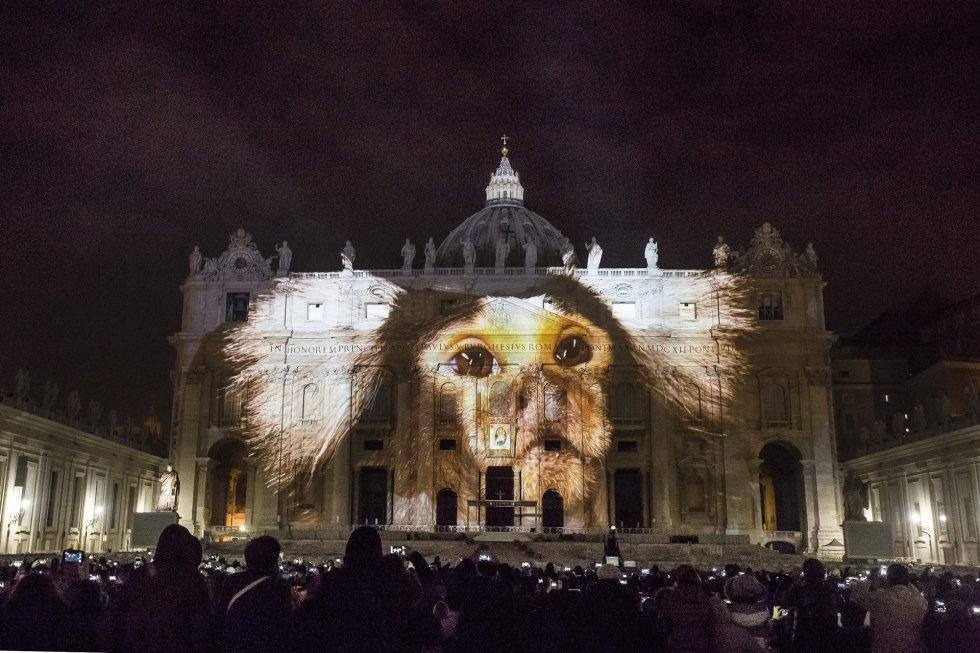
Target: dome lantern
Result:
[505, 184]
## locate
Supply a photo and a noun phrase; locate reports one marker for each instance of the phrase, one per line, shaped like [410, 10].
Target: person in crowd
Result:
[687, 615]
[167, 607]
[86, 616]
[748, 609]
[34, 618]
[815, 605]
[253, 607]
[897, 612]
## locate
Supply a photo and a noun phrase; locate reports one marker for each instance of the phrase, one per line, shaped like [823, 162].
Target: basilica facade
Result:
[505, 379]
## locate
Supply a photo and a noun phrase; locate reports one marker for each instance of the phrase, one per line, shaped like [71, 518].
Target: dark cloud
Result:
[127, 137]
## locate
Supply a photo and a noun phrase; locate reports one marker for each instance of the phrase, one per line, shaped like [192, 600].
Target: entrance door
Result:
[552, 510]
[500, 486]
[447, 502]
[629, 498]
[372, 498]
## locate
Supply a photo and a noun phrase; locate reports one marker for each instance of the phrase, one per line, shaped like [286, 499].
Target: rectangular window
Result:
[552, 445]
[447, 444]
[374, 445]
[113, 506]
[77, 494]
[627, 446]
[314, 312]
[624, 310]
[52, 499]
[688, 311]
[770, 306]
[376, 311]
[236, 307]
[130, 505]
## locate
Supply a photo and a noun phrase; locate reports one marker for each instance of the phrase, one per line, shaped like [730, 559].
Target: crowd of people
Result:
[369, 601]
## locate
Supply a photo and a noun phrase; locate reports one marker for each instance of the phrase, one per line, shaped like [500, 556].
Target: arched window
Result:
[311, 402]
[446, 507]
[552, 510]
[776, 405]
[499, 400]
[446, 408]
[554, 401]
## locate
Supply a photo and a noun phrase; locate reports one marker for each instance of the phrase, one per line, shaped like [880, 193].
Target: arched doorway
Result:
[781, 488]
[447, 502]
[229, 483]
[552, 510]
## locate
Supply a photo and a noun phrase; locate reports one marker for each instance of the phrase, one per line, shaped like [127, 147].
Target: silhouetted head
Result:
[897, 574]
[363, 549]
[686, 575]
[262, 554]
[813, 571]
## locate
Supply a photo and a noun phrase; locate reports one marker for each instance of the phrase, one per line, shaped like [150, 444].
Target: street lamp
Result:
[16, 517]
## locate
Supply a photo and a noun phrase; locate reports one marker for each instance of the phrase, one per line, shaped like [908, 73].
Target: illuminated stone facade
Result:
[497, 369]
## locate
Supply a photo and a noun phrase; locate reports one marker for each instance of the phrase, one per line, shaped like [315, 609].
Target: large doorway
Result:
[372, 496]
[500, 487]
[447, 502]
[781, 488]
[628, 496]
[552, 510]
[229, 483]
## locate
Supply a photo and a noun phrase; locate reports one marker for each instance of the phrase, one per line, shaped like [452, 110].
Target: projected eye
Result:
[474, 361]
[572, 350]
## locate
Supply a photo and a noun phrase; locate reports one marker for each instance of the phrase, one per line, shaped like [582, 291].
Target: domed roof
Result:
[504, 216]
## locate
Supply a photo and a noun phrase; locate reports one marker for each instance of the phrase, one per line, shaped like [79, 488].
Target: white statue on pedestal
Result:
[430, 256]
[169, 490]
[347, 256]
[721, 253]
[650, 253]
[469, 255]
[285, 258]
[194, 260]
[530, 256]
[408, 255]
[595, 255]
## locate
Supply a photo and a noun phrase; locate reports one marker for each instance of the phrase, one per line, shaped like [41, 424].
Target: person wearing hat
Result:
[748, 609]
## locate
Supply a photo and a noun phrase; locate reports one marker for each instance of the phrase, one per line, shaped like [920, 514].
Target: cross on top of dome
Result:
[505, 184]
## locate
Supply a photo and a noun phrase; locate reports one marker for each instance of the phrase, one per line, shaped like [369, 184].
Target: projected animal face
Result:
[511, 377]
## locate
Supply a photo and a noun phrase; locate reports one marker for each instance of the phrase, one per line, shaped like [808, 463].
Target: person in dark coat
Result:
[253, 607]
[34, 618]
[165, 606]
[815, 607]
[687, 614]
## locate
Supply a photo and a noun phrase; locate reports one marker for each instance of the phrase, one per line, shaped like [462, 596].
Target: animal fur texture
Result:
[542, 364]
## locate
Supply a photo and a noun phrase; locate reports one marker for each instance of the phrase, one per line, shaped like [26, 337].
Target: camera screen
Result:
[72, 555]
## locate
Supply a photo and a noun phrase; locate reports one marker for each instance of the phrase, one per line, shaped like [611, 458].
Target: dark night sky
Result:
[129, 137]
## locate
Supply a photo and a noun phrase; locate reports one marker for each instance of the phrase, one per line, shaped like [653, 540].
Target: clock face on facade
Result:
[768, 260]
[241, 265]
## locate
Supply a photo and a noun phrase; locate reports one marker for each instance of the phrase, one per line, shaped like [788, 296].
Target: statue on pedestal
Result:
[169, 490]
[721, 253]
[855, 498]
[651, 254]
[347, 256]
[469, 254]
[430, 256]
[568, 256]
[408, 255]
[50, 395]
[530, 256]
[194, 260]
[285, 258]
[74, 405]
[23, 384]
[501, 251]
[595, 255]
